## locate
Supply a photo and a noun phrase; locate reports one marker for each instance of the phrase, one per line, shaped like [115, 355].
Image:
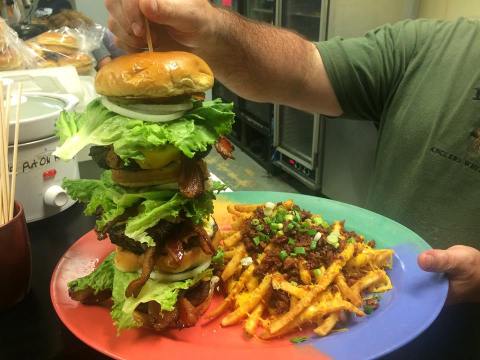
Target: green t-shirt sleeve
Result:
[366, 71]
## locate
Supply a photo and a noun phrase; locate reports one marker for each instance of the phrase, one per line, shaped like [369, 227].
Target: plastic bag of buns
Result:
[14, 54]
[66, 46]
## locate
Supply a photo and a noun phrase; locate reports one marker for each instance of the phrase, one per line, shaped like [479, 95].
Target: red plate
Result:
[93, 325]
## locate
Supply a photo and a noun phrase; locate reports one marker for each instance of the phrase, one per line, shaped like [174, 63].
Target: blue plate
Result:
[405, 312]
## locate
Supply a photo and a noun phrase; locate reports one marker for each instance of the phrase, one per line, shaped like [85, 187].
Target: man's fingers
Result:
[116, 12]
[132, 12]
[127, 39]
[437, 261]
[455, 261]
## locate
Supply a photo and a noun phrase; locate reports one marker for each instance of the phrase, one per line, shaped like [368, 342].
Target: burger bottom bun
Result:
[128, 261]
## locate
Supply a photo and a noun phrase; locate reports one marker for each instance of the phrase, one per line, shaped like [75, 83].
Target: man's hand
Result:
[256, 61]
[462, 267]
[175, 24]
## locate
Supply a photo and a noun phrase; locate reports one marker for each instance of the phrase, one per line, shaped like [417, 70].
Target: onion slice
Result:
[142, 115]
[164, 277]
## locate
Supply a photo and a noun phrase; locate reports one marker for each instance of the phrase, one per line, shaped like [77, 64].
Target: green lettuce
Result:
[100, 279]
[194, 132]
[107, 276]
[153, 204]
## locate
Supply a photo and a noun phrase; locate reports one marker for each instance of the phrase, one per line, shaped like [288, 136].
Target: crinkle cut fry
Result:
[330, 274]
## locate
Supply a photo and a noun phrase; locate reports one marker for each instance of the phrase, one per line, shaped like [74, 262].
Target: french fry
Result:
[330, 275]
[279, 283]
[248, 208]
[232, 239]
[232, 209]
[253, 319]
[254, 299]
[368, 280]
[347, 292]
[252, 283]
[327, 325]
[304, 273]
[232, 266]
[236, 289]
[323, 297]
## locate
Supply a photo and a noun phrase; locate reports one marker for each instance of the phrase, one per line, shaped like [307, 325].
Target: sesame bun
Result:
[154, 75]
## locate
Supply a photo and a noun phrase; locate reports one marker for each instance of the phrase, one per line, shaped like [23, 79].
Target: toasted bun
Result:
[165, 175]
[49, 39]
[157, 74]
[128, 261]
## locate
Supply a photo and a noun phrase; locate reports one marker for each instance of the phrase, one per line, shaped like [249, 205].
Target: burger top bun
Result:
[153, 75]
[57, 39]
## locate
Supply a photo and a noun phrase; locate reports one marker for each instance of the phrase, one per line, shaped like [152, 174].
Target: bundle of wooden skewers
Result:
[7, 182]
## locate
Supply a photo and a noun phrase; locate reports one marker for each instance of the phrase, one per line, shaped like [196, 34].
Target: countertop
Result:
[32, 330]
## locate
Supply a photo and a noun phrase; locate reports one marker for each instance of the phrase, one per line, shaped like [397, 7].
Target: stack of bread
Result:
[11, 48]
[61, 49]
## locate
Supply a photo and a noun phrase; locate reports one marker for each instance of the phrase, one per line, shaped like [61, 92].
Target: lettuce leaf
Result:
[100, 279]
[107, 276]
[121, 319]
[194, 132]
[166, 294]
[108, 201]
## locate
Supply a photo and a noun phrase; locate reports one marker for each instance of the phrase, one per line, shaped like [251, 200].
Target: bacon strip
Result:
[224, 147]
[136, 285]
[204, 240]
[191, 179]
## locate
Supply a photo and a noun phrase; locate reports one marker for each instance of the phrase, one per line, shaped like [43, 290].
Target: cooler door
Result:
[307, 17]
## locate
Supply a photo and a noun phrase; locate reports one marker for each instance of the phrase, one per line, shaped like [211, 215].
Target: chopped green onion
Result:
[351, 240]
[260, 227]
[293, 254]
[290, 226]
[311, 232]
[289, 217]
[291, 241]
[317, 272]
[332, 239]
[256, 240]
[368, 309]
[269, 205]
[298, 340]
[313, 244]
[283, 255]
[300, 250]
[267, 220]
[255, 222]
[297, 215]
[280, 233]
[280, 226]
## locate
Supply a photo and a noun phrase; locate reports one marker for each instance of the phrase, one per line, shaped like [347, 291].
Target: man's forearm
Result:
[268, 64]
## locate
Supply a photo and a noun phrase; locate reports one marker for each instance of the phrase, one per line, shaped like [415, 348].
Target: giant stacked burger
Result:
[150, 130]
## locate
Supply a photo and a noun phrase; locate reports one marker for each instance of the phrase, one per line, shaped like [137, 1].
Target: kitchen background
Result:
[283, 149]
